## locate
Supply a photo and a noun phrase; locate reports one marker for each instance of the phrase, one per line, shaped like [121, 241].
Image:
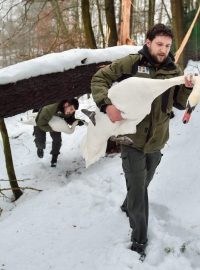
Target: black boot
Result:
[40, 153]
[54, 160]
[140, 249]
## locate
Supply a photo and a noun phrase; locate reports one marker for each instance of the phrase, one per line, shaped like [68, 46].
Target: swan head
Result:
[193, 99]
[188, 112]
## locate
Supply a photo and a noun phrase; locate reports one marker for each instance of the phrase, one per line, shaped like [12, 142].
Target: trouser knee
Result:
[152, 162]
[40, 137]
[56, 142]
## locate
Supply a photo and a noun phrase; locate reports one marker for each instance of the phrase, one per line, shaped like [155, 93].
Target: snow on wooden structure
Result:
[51, 78]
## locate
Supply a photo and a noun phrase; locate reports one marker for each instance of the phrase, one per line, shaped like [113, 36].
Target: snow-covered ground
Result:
[76, 222]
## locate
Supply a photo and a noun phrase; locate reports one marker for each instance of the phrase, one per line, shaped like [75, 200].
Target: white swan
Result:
[56, 123]
[60, 125]
[133, 97]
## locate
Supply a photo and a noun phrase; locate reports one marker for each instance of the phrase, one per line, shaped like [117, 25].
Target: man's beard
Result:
[158, 59]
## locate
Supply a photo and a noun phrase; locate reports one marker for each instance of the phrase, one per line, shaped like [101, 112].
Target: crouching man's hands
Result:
[113, 113]
[81, 122]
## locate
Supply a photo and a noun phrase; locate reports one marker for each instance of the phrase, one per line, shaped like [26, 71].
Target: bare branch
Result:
[168, 16]
[22, 188]
[22, 180]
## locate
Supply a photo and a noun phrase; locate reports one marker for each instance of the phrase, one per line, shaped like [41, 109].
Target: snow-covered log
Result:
[42, 90]
[51, 78]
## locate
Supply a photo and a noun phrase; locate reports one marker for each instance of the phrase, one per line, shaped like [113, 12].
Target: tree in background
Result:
[9, 162]
[90, 39]
[111, 23]
[139, 21]
[151, 13]
[61, 25]
[33, 28]
[125, 19]
[100, 23]
[178, 24]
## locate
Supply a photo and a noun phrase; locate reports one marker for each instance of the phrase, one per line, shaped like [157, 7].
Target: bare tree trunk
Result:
[9, 162]
[110, 18]
[100, 23]
[177, 20]
[131, 18]
[85, 6]
[161, 12]
[151, 13]
[177, 23]
[59, 18]
[125, 22]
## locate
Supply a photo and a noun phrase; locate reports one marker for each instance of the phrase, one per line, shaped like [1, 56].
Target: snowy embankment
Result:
[76, 222]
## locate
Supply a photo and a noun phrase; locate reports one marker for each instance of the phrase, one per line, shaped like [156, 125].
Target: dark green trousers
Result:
[40, 140]
[139, 169]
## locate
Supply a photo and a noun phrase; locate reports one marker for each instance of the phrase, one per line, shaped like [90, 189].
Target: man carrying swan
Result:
[141, 157]
[59, 112]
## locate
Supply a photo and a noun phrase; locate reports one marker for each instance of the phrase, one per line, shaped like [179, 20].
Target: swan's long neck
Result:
[73, 126]
[164, 84]
[175, 81]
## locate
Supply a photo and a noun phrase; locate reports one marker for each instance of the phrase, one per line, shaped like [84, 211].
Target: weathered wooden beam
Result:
[39, 91]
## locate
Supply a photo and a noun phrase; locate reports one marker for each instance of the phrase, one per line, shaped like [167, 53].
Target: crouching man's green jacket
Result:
[47, 112]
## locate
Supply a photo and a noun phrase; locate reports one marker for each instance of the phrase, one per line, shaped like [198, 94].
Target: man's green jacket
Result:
[45, 115]
[153, 131]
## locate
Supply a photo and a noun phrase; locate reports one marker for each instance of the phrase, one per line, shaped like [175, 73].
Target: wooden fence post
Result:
[9, 161]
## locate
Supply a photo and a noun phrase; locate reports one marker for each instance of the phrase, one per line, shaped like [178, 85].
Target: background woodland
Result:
[32, 28]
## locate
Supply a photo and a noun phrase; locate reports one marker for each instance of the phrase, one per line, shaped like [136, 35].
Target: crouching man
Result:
[65, 110]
